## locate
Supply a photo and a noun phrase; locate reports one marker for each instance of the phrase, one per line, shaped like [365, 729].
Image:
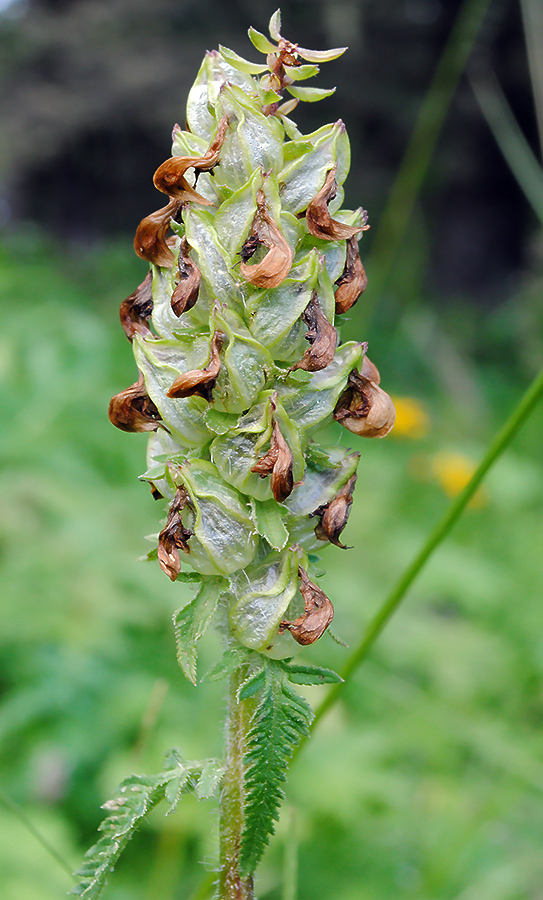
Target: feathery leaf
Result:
[190, 623]
[280, 720]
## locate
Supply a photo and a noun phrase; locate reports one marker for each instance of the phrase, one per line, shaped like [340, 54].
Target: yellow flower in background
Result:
[452, 472]
[412, 420]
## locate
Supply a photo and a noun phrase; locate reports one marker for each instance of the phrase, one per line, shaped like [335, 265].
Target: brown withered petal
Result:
[185, 294]
[317, 615]
[136, 310]
[150, 240]
[133, 410]
[370, 370]
[274, 268]
[170, 176]
[319, 221]
[353, 280]
[170, 179]
[333, 516]
[174, 536]
[200, 381]
[321, 335]
[364, 408]
[278, 463]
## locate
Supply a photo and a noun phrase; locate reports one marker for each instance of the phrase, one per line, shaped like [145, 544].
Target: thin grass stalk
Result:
[532, 18]
[509, 137]
[31, 828]
[442, 530]
[401, 201]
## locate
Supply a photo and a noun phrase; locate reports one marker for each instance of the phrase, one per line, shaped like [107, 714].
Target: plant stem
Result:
[401, 201]
[231, 885]
[502, 440]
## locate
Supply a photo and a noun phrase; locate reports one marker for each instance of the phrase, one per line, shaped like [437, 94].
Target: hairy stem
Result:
[231, 885]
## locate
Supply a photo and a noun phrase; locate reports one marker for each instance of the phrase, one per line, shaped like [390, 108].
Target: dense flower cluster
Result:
[234, 337]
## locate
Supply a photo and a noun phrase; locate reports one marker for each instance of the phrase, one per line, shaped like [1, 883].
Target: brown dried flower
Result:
[174, 536]
[136, 310]
[150, 242]
[364, 408]
[185, 294]
[133, 410]
[333, 516]
[370, 370]
[274, 268]
[200, 381]
[353, 280]
[170, 176]
[277, 462]
[321, 335]
[319, 221]
[317, 615]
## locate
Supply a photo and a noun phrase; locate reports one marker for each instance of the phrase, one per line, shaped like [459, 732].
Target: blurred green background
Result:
[425, 780]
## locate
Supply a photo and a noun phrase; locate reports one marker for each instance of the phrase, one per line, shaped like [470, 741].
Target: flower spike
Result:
[240, 367]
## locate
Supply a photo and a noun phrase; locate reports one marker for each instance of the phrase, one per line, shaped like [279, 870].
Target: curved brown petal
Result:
[174, 536]
[369, 370]
[333, 517]
[185, 294]
[274, 268]
[136, 310]
[364, 408]
[278, 463]
[170, 179]
[317, 615]
[321, 335]
[170, 176]
[133, 410]
[353, 280]
[150, 240]
[200, 381]
[319, 221]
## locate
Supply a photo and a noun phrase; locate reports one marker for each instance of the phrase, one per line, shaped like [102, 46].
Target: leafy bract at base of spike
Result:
[192, 621]
[280, 721]
[136, 797]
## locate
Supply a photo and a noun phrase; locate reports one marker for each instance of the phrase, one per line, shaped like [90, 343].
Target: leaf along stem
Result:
[501, 441]
[231, 885]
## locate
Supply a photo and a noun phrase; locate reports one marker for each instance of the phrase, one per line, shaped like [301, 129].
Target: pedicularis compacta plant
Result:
[239, 364]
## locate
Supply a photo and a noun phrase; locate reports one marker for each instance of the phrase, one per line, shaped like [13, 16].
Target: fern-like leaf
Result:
[136, 797]
[280, 720]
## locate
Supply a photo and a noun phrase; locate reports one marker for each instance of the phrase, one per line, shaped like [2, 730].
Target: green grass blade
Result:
[406, 187]
[17, 811]
[510, 139]
[532, 18]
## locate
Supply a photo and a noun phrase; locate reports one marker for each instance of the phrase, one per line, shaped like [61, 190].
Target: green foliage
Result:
[192, 621]
[299, 674]
[428, 771]
[280, 720]
[137, 796]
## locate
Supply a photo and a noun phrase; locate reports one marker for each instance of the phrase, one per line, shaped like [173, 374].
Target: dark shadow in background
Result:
[91, 89]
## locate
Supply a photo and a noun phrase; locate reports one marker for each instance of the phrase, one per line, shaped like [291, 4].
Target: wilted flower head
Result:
[235, 339]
